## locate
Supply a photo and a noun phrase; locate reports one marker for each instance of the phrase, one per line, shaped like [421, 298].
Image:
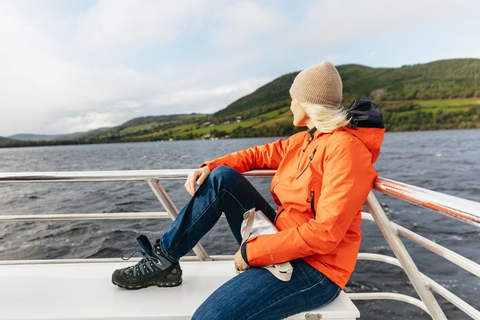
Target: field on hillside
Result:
[434, 115]
[420, 114]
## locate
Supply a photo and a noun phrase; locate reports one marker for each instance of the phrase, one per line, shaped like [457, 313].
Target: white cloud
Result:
[32, 76]
[120, 59]
[88, 121]
[246, 21]
[209, 100]
[61, 92]
[333, 22]
[111, 24]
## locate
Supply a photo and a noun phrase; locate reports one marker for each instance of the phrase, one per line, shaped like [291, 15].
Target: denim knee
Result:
[224, 174]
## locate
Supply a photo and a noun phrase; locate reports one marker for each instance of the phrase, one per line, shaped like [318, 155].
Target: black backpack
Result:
[365, 114]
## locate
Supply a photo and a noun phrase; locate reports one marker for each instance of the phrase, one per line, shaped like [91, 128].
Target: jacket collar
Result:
[311, 132]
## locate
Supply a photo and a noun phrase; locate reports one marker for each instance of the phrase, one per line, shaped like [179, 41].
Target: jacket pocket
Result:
[276, 217]
[311, 200]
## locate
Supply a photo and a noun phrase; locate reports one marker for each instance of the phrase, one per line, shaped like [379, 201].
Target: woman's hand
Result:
[240, 264]
[198, 175]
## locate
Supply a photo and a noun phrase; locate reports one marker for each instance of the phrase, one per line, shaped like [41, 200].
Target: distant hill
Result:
[32, 137]
[44, 137]
[2, 139]
[438, 95]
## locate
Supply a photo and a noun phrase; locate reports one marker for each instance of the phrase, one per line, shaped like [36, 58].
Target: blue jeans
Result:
[255, 293]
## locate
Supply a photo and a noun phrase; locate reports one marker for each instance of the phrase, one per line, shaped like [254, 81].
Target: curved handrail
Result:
[388, 296]
[458, 208]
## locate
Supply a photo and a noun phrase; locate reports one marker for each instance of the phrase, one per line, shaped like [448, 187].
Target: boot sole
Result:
[167, 283]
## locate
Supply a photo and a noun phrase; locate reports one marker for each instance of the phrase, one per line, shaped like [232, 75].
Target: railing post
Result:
[404, 257]
[172, 210]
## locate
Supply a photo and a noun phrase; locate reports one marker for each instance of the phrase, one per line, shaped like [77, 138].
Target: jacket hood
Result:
[372, 138]
[366, 123]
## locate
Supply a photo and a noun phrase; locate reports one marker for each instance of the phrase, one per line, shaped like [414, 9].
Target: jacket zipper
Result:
[310, 159]
[310, 139]
[276, 217]
[301, 157]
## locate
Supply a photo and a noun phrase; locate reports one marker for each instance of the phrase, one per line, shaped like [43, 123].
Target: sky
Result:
[72, 66]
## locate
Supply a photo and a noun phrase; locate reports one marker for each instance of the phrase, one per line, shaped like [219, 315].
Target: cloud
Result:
[113, 24]
[342, 22]
[32, 77]
[42, 91]
[243, 22]
[88, 121]
[210, 99]
[112, 60]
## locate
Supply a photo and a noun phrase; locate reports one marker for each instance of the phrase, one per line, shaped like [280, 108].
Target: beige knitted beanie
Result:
[318, 84]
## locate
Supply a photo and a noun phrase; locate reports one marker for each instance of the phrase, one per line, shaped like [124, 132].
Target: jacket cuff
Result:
[210, 164]
[243, 251]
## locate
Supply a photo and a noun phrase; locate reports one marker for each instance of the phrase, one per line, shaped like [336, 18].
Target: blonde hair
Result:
[326, 118]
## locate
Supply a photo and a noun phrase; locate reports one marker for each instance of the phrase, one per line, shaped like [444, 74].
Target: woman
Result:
[323, 178]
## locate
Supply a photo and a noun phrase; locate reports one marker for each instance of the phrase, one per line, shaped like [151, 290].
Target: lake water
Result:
[444, 161]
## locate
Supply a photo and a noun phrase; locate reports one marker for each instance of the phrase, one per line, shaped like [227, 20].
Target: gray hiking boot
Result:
[153, 269]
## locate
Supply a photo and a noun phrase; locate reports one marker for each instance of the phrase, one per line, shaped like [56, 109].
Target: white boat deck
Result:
[85, 291]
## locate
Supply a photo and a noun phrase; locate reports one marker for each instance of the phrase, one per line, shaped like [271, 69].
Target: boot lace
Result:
[146, 265]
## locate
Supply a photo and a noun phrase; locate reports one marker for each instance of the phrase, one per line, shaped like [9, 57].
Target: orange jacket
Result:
[321, 183]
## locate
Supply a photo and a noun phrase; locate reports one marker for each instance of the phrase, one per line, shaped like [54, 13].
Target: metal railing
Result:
[464, 210]
[151, 177]
[461, 209]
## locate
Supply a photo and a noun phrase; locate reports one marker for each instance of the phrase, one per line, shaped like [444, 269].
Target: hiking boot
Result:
[153, 269]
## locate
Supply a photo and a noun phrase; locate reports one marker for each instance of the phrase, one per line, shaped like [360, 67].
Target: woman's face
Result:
[300, 117]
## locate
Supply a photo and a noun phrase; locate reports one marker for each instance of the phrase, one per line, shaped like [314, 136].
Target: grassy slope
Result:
[446, 79]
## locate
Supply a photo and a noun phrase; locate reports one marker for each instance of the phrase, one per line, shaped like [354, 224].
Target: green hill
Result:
[438, 95]
[446, 79]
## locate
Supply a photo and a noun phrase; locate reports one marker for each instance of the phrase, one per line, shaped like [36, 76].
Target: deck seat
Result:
[85, 291]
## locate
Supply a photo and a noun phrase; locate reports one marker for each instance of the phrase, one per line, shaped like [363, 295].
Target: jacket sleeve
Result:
[348, 178]
[267, 156]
